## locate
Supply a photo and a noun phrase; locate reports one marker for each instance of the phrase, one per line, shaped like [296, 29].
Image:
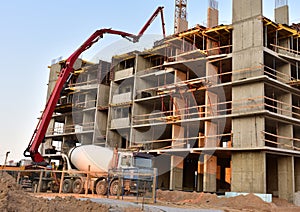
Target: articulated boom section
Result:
[40, 131]
[42, 126]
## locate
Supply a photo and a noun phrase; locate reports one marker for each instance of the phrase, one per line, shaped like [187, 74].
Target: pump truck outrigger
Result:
[67, 68]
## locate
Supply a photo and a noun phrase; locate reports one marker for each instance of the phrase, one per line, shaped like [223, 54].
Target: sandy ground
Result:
[248, 202]
[14, 199]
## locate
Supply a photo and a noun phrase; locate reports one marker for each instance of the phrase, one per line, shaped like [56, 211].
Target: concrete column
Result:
[210, 173]
[69, 124]
[212, 17]
[249, 172]
[248, 168]
[272, 175]
[282, 17]
[282, 14]
[200, 171]
[211, 101]
[285, 130]
[297, 136]
[297, 174]
[176, 173]
[182, 25]
[247, 39]
[102, 115]
[210, 131]
[286, 105]
[212, 21]
[247, 58]
[286, 187]
[284, 71]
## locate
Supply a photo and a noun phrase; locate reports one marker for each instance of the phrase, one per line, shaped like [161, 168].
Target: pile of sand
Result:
[248, 202]
[12, 198]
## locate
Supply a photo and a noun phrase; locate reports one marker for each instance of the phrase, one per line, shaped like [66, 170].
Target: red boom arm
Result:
[40, 131]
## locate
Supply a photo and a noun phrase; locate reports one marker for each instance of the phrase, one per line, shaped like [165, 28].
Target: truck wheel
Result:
[114, 187]
[78, 186]
[44, 186]
[35, 185]
[67, 186]
[101, 187]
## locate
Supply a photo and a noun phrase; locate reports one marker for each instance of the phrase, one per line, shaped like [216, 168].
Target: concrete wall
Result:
[103, 95]
[123, 73]
[282, 14]
[245, 9]
[247, 131]
[113, 139]
[249, 172]
[122, 98]
[142, 63]
[120, 122]
[100, 127]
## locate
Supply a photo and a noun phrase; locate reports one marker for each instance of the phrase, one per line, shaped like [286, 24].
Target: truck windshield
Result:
[142, 162]
[126, 160]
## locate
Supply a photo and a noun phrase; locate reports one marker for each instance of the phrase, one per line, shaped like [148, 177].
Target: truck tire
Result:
[44, 186]
[78, 186]
[35, 186]
[67, 186]
[101, 187]
[114, 187]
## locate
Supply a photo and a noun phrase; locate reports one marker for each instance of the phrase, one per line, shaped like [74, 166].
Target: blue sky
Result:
[35, 32]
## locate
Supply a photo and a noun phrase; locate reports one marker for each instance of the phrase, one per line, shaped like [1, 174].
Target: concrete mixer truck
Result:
[105, 166]
[101, 170]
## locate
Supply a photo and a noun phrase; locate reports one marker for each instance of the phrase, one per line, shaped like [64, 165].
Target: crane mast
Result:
[180, 14]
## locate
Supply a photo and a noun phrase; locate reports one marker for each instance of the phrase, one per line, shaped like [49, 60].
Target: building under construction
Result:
[218, 105]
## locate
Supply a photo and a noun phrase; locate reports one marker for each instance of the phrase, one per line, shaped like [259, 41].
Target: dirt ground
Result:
[14, 199]
[248, 202]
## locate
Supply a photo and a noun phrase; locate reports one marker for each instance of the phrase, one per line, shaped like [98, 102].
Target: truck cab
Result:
[134, 160]
[137, 172]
